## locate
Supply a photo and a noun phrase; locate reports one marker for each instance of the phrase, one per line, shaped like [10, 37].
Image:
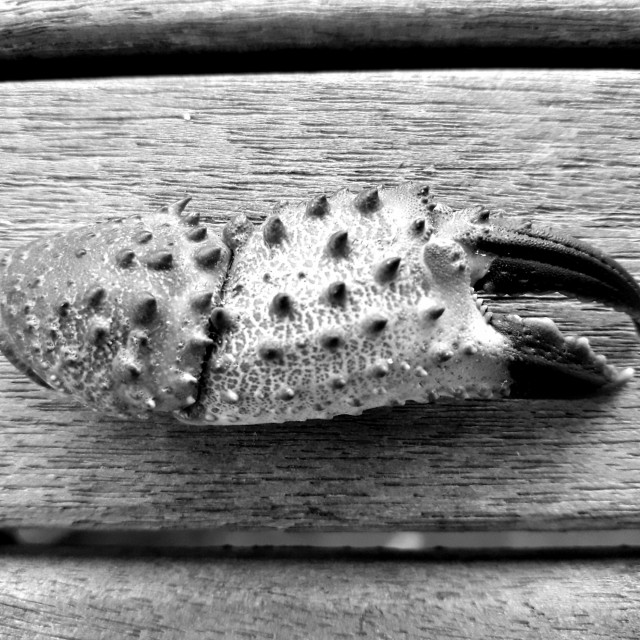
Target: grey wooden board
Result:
[58, 28]
[558, 146]
[77, 596]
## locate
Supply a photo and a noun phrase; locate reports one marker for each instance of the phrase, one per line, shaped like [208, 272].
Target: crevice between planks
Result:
[438, 543]
[98, 64]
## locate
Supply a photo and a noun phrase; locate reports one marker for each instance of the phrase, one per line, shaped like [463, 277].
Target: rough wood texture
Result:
[561, 147]
[59, 28]
[124, 596]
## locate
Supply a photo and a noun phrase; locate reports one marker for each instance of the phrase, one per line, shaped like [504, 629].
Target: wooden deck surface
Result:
[69, 594]
[559, 147]
[46, 28]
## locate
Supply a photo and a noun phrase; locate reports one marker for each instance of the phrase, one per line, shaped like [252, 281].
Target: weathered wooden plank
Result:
[72, 595]
[46, 29]
[560, 146]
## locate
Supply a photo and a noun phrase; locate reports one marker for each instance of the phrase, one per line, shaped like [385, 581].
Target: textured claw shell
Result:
[343, 303]
[123, 329]
[337, 304]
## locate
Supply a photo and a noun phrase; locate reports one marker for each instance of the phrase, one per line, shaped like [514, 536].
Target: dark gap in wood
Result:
[306, 554]
[313, 59]
[437, 544]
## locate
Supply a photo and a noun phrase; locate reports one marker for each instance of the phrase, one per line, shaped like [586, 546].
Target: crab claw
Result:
[510, 259]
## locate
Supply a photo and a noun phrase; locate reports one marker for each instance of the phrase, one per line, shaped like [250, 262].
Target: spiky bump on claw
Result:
[117, 313]
[358, 308]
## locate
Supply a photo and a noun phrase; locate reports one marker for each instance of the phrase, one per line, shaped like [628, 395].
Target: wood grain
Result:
[63, 28]
[77, 596]
[561, 147]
